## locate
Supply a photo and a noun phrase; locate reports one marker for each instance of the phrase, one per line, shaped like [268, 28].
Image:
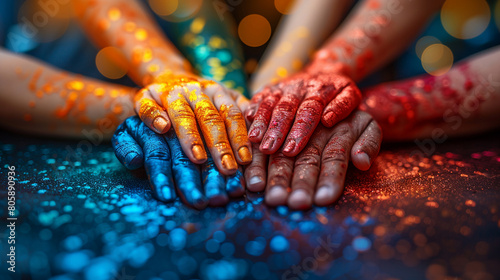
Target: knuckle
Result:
[234, 114]
[307, 160]
[255, 169]
[158, 153]
[332, 156]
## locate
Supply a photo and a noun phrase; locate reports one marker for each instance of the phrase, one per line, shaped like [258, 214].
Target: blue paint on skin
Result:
[213, 182]
[234, 184]
[133, 137]
[186, 174]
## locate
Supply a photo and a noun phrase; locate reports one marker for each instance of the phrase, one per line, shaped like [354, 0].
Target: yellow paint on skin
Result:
[114, 14]
[141, 34]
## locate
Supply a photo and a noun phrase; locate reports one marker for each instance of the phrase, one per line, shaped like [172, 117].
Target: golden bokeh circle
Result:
[162, 7]
[284, 6]
[465, 19]
[110, 63]
[437, 59]
[184, 10]
[254, 30]
[423, 43]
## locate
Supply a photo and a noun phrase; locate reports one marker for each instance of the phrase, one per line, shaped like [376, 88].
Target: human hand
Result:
[305, 97]
[317, 174]
[190, 102]
[169, 168]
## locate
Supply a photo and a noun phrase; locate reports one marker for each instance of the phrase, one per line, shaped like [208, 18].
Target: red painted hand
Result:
[307, 99]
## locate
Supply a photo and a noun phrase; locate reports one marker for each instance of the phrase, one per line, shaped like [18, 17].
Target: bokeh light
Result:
[176, 11]
[109, 62]
[423, 43]
[254, 30]
[284, 6]
[465, 19]
[47, 22]
[163, 8]
[437, 59]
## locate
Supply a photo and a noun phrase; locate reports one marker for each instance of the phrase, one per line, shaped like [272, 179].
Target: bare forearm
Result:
[376, 32]
[39, 99]
[463, 101]
[127, 26]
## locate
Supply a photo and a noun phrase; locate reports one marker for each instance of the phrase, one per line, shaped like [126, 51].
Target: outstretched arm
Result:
[39, 99]
[374, 34]
[463, 101]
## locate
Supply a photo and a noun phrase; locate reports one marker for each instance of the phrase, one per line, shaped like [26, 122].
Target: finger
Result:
[282, 118]
[240, 100]
[214, 184]
[183, 120]
[186, 174]
[212, 127]
[233, 120]
[157, 162]
[366, 148]
[235, 184]
[152, 114]
[335, 158]
[128, 152]
[263, 115]
[255, 172]
[306, 171]
[340, 107]
[278, 181]
[320, 90]
[252, 108]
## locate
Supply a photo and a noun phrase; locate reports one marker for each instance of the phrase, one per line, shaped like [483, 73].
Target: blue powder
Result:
[361, 243]
[279, 244]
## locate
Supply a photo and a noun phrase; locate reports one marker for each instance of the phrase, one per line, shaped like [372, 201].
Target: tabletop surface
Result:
[82, 215]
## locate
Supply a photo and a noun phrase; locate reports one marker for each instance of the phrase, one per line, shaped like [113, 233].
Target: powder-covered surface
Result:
[84, 216]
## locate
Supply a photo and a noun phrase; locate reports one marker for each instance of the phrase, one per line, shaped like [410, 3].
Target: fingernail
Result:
[228, 162]
[276, 196]
[328, 117]
[267, 144]
[245, 154]
[324, 196]
[159, 124]
[198, 200]
[290, 146]
[250, 113]
[254, 182]
[300, 199]
[164, 192]
[132, 160]
[198, 152]
[254, 133]
[363, 160]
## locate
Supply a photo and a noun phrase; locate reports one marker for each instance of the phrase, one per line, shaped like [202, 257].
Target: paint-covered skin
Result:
[457, 102]
[169, 82]
[194, 103]
[169, 169]
[287, 113]
[316, 175]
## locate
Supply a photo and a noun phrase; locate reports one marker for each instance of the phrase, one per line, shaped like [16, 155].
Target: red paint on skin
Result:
[263, 115]
[415, 102]
[282, 119]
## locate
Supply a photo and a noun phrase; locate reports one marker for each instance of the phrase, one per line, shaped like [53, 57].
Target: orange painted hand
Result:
[191, 103]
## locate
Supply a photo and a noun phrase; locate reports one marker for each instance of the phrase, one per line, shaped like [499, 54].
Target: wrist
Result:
[157, 73]
[325, 62]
